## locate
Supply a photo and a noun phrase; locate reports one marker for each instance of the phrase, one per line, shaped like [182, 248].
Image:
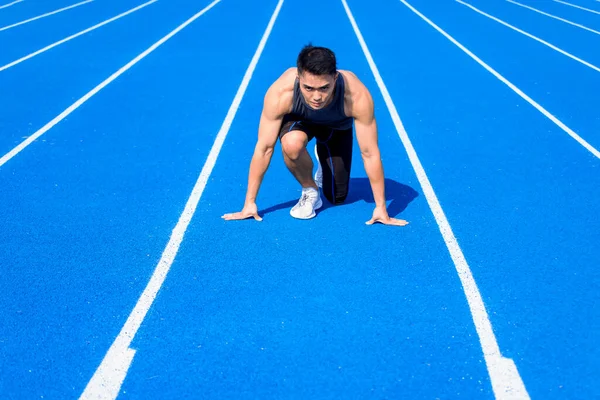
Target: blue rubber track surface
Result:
[284, 308]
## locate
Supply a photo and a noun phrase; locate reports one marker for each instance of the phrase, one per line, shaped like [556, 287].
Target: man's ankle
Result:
[310, 187]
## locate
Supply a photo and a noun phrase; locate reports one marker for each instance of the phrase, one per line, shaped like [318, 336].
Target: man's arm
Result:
[365, 126]
[268, 131]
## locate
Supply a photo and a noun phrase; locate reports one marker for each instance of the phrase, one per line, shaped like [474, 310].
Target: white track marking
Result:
[553, 47]
[576, 6]
[40, 51]
[5, 158]
[10, 4]
[518, 91]
[4, 28]
[506, 382]
[108, 378]
[555, 17]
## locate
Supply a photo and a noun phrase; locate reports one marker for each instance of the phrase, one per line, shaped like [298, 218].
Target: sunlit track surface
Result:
[139, 136]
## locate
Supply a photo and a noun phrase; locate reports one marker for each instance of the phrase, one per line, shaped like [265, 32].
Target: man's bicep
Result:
[366, 135]
[268, 130]
[270, 120]
[365, 124]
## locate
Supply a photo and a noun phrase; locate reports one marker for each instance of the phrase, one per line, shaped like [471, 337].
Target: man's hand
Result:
[249, 210]
[380, 214]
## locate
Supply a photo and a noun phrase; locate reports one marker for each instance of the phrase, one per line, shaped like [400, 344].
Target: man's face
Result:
[317, 89]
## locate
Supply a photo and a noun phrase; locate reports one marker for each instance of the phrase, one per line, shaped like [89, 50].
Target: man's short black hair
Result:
[316, 60]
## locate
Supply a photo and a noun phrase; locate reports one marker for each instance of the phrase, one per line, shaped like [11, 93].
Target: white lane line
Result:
[10, 4]
[16, 150]
[555, 17]
[553, 47]
[506, 382]
[40, 51]
[576, 6]
[518, 91]
[4, 28]
[108, 378]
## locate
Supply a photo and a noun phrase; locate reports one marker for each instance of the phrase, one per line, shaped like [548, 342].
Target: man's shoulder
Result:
[353, 85]
[356, 96]
[279, 96]
[286, 81]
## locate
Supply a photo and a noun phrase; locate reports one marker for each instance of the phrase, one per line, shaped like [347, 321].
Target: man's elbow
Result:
[370, 153]
[264, 149]
[268, 151]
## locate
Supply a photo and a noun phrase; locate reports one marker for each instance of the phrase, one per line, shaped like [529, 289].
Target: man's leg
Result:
[335, 157]
[296, 157]
[294, 137]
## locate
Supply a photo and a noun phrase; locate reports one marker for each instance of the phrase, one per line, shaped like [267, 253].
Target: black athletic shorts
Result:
[334, 148]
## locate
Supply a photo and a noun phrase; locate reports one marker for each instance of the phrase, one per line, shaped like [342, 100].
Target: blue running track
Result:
[328, 308]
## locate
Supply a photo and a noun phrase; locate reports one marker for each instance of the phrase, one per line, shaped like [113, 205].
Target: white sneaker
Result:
[308, 203]
[319, 173]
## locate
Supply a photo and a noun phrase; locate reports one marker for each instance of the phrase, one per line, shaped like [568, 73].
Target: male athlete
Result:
[316, 100]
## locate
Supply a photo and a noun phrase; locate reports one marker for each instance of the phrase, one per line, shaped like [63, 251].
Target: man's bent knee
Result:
[340, 198]
[337, 196]
[293, 144]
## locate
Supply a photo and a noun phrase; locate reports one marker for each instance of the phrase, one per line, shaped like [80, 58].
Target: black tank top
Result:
[332, 116]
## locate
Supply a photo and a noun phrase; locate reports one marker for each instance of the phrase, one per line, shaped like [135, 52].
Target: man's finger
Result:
[240, 215]
[398, 222]
[387, 221]
[231, 216]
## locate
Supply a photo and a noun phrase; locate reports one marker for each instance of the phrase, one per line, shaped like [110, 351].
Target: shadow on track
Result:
[397, 195]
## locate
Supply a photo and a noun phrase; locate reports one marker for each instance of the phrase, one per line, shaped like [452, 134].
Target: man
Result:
[316, 100]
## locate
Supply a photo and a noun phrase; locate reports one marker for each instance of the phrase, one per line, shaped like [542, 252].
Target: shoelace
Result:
[303, 199]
